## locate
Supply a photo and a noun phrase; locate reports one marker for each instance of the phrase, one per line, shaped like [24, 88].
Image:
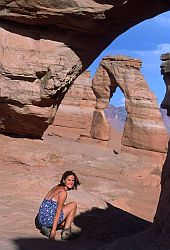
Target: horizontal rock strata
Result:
[75, 113]
[45, 45]
[144, 119]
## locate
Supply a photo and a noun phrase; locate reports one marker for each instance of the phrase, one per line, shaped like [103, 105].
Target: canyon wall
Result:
[75, 113]
[81, 114]
[162, 217]
[35, 73]
[44, 46]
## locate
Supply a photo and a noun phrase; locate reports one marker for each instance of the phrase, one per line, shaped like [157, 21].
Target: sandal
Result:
[66, 234]
[45, 231]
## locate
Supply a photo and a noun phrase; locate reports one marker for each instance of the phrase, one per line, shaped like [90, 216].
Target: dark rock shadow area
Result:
[100, 227]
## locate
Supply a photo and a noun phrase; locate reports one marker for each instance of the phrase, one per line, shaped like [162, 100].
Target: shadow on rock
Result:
[100, 227]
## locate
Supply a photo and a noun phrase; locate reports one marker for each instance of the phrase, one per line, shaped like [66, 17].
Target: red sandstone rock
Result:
[165, 71]
[159, 234]
[45, 45]
[30, 77]
[77, 118]
[75, 113]
[72, 52]
[144, 119]
[100, 128]
[162, 218]
[74, 117]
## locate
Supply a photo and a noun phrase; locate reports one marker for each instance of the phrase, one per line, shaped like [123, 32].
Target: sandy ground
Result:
[111, 205]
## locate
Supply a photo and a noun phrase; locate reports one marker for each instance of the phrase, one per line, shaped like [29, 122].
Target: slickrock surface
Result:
[114, 200]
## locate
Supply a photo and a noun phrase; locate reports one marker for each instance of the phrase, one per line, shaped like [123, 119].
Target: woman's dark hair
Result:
[65, 175]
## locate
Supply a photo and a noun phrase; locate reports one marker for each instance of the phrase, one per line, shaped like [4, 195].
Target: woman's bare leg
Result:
[69, 213]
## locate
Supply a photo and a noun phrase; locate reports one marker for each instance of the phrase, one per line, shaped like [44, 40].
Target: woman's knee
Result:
[73, 204]
[69, 207]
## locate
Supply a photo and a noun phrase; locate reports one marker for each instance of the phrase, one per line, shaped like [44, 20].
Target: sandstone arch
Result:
[43, 48]
[143, 116]
[73, 31]
[158, 236]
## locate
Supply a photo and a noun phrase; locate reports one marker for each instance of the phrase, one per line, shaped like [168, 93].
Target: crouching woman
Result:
[54, 213]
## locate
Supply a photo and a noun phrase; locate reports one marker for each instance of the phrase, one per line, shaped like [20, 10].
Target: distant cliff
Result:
[117, 116]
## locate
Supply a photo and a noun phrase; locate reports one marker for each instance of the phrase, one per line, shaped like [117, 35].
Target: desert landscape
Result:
[113, 201]
[55, 117]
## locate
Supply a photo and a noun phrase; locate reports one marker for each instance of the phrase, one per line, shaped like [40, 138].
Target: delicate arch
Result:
[144, 119]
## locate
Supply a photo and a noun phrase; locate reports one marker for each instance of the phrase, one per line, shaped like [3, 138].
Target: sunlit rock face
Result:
[144, 119]
[45, 45]
[75, 113]
[158, 236]
[34, 67]
[77, 117]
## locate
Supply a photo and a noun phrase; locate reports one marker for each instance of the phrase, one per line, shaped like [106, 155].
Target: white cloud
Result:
[162, 48]
[143, 52]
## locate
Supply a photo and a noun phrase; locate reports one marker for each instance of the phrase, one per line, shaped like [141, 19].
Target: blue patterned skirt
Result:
[47, 212]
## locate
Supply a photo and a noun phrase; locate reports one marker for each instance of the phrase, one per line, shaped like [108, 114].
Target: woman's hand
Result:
[52, 235]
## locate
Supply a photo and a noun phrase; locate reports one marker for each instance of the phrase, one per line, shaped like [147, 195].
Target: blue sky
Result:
[146, 41]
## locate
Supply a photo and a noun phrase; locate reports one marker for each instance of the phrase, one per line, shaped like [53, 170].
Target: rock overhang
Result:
[101, 17]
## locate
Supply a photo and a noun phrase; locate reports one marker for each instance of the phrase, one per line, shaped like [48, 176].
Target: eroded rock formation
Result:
[45, 45]
[75, 113]
[165, 71]
[158, 236]
[34, 68]
[81, 113]
[162, 217]
[144, 119]
[77, 117]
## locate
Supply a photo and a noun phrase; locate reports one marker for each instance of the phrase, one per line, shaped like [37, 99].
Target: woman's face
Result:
[69, 181]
